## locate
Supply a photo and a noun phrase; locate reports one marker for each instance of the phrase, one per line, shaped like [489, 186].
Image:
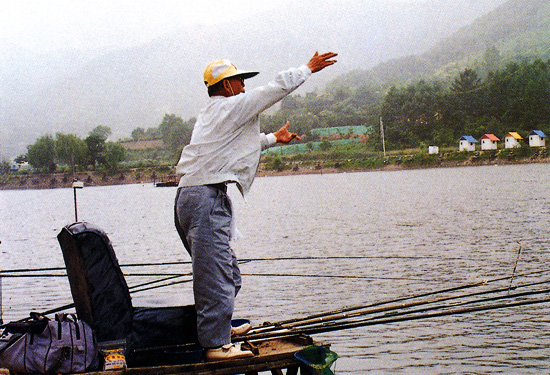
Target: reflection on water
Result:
[416, 230]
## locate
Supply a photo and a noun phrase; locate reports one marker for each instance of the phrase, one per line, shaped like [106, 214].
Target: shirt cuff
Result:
[271, 139]
[267, 140]
[305, 69]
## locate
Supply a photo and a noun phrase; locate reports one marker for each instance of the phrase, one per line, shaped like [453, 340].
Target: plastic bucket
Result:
[318, 360]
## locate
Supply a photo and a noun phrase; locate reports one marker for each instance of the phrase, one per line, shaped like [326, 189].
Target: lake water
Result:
[412, 231]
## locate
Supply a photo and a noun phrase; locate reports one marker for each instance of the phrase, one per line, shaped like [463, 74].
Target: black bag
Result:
[60, 346]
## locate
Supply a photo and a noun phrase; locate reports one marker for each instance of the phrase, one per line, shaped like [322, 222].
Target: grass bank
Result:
[354, 158]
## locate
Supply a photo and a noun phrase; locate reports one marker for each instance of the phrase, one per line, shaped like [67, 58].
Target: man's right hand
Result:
[320, 62]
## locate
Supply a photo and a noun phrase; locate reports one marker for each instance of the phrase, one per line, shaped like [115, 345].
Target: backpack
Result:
[40, 345]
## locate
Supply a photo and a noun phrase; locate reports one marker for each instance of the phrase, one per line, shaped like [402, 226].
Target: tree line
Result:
[173, 131]
[47, 153]
[513, 98]
[516, 98]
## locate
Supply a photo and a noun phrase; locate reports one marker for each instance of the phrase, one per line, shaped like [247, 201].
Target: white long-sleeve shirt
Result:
[226, 142]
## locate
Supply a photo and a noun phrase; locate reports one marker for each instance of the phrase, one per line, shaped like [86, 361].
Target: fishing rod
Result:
[134, 289]
[65, 275]
[161, 286]
[351, 325]
[244, 260]
[395, 300]
[515, 266]
[328, 257]
[131, 289]
[335, 276]
[330, 321]
[151, 274]
[318, 329]
[24, 270]
[444, 307]
[21, 270]
[436, 307]
[325, 328]
[391, 309]
[243, 274]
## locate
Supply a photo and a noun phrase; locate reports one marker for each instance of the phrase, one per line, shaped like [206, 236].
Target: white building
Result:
[537, 139]
[512, 139]
[25, 166]
[433, 150]
[467, 143]
[489, 142]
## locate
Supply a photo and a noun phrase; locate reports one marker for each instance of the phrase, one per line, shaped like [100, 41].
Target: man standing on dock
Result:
[225, 148]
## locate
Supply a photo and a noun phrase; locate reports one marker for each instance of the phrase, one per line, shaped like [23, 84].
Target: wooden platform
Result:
[273, 355]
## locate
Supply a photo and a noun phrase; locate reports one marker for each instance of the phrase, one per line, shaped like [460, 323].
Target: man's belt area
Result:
[221, 186]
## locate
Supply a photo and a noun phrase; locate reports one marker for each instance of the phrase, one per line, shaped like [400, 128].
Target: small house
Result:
[433, 150]
[537, 139]
[467, 143]
[25, 166]
[512, 139]
[148, 144]
[489, 142]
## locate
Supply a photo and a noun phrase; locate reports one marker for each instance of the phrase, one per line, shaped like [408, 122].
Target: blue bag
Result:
[61, 346]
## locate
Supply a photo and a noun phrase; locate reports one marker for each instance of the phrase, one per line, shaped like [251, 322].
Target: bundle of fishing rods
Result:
[497, 293]
[463, 299]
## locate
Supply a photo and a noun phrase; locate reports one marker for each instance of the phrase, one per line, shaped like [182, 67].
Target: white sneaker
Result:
[243, 329]
[229, 351]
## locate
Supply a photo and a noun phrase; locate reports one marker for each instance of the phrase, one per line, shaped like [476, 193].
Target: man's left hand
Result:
[284, 136]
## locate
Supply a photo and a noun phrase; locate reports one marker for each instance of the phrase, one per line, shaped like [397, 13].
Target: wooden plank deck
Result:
[273, 355]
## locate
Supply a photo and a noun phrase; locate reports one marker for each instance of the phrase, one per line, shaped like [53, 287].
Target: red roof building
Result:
[489, 142]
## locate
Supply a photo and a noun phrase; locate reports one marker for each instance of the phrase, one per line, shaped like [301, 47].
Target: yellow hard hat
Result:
[222, 69]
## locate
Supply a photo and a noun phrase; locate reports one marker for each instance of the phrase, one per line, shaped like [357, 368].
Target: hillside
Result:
[75, 91]
[516, 30]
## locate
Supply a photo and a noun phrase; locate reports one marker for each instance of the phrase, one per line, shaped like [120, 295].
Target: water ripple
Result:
[417, 231]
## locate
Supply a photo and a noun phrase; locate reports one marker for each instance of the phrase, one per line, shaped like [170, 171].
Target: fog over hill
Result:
[75, 91]
[515, 31]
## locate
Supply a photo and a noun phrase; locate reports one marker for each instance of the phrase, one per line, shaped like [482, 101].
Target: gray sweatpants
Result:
[203, 220]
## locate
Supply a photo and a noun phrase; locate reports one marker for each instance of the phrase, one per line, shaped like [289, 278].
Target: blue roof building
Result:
[537, 138]
[467, 143]
[468, 138]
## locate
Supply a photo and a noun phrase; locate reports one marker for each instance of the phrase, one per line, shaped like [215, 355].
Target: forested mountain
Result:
[75, 91]
[483, 77]
[516, 30]
[492, 76]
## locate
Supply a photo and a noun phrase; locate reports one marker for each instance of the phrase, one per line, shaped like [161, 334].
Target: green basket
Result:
[317, 358]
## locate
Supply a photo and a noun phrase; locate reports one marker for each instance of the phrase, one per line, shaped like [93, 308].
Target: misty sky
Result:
[46, 25]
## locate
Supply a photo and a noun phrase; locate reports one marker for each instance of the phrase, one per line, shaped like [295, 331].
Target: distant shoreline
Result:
[401, 167]
[62, 180]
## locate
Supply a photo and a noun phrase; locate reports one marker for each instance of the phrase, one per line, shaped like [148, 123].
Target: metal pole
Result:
[75, 206]
[76, 185]
[382, 134]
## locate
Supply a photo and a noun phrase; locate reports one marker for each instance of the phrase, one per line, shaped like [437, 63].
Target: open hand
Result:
[284, 136]
[320, 62]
